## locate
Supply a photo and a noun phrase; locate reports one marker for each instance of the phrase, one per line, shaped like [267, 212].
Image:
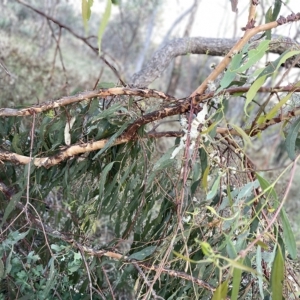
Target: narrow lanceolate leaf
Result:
[276, 10]
[68, 128]
[267, 72]
[1, 269]
[86, 11]
[141, 255]
[104, 22]
[288, 235]
[212, 193]
[268, 19]
[103, 178]
[290, 141]
[274, 111]
[253, 91]
[266, 186]
[236, 282]
[10, 207]
[260, 271]
[231, 72]
[243, 134]
[254, 55]
[277, 275]
[221, 291]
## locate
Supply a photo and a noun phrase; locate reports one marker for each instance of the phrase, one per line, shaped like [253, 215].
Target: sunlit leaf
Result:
[254, 55]
[104, 23]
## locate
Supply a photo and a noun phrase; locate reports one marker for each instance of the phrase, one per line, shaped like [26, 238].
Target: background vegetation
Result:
[112, 190]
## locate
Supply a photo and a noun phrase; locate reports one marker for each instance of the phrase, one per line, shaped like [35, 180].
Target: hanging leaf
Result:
[276, 11]
[243, 134]
[274, 111]
[103, 24]
[267, 72]
[86, 11]
[221, 291]
[211, 194]
[236, 282]
[277, 275]
[268, 19]
[10, 207]
[290, 141]
[231, 72]
[266, 186]
[288, 235]
[1, 269]
[253, 91]
[254, 55]
[260, 271]
[68, 128]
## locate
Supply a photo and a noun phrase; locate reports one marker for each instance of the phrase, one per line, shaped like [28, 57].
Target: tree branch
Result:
[102, 93]
[197, 45]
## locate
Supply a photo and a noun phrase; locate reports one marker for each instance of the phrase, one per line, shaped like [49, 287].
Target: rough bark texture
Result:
[198, 45]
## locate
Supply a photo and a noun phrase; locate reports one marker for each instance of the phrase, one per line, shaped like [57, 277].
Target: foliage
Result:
[123, 220]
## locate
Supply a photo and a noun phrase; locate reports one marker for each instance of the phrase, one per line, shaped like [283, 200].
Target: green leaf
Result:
[254, 55]
[266, 186]
[106, 85]
[104, 22]
[112, 139]
[276, 11]
[274, 111]
[230, 248]
[268, 19]
[212, 193]
[253, 91]
[240, 266]
[141, 255]
[15, 144]
[290, 141]
[243, 134]
[277, 275]
[260, 271]
[221, 291]
[231, 72]
[86, 11]
[206, 248]
[267, 72]
[288, 235]
[1, 269]
[11, 205]
[236, 282]
[50, 278]
[247, 190]
[103, 178]
[274, 65]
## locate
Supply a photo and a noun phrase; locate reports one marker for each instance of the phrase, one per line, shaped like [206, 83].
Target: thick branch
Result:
[198, 45]
[146, 93]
